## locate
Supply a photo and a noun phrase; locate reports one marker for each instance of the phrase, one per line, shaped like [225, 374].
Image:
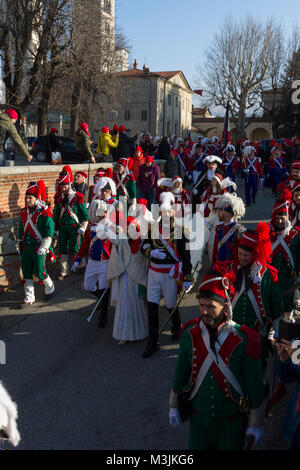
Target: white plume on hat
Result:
[228, 183]
[9, 416]
[167, 182]
[235, 202]
[215, 139]
[248, 150]
[229, 148]
[102, 183]
[205, 141]
[97, 209]
[212, 159]
[166, 201]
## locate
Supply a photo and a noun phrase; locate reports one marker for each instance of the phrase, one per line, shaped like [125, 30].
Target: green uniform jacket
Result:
[216, 417]
[287, 266]
[43, 221]
[78, 207]
[268, 298]
[7, 126]
[214, 399]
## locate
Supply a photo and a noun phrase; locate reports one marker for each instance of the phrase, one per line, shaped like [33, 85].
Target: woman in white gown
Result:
[127, 272]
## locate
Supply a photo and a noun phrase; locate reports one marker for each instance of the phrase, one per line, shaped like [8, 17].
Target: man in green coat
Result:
[286, 252]
[257, 300]
[70, 218]
[8, 129]
[36, 230]
[219, 366]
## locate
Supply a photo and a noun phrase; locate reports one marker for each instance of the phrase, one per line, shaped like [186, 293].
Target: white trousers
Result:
[95, 273]
[161, 285]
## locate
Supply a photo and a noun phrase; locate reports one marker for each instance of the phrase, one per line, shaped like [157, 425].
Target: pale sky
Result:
[173, 34]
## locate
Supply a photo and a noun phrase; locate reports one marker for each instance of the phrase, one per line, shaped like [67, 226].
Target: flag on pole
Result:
[226, 131]
[198, 92]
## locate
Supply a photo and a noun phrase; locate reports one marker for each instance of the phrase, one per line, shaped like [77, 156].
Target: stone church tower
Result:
[109, 33]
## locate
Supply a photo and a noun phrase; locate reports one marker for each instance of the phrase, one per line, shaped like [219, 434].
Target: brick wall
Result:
[13, 184]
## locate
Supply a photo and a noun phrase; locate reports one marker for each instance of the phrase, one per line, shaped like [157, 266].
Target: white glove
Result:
[174, 418]
[195, 192]
[80, 231]
[75, 266]
[41, 251]
[190, 177]
[246, 170]
[158, 254]
[256, 432]
[187, 286]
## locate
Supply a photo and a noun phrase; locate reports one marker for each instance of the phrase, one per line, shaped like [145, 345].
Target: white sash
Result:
[228, 235]
[121, 184]
[168, 247]
[29, 222]
[251, 165]
[228, 162]
[212, 358]
[278, 163]
[70, 210]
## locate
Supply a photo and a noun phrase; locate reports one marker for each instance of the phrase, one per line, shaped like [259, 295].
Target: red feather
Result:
[109, 172]
[286, 195]
[264, 246]
[69, 171]
[253, 348]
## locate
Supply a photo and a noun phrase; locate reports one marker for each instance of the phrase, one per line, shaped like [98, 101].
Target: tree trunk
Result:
[43, 106]
[242, 116]
[75, 106]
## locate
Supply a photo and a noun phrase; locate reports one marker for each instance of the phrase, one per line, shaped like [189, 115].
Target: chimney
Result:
[146, 69]
[135, 65]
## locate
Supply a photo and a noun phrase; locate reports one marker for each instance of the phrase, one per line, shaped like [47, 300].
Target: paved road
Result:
[76, 389]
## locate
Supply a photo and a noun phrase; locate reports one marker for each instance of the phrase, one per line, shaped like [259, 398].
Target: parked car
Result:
[68, 150]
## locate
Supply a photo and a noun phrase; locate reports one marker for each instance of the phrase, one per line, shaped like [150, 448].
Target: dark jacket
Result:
[8, 129]
[53, 142]
[148, 183]
[164, 150]
[83, 146]
[124, 148]
[173, 168]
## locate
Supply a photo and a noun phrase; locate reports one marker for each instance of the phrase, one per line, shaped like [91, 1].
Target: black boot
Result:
[103, 308]
[153, 325]
[176, 324]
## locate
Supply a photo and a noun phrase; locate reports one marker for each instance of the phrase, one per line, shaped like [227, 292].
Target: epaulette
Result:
[80, 198]
[194, 321]
[47, 212]
[253, 348]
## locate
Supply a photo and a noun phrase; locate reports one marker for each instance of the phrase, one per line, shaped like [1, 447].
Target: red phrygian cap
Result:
[66, 175]
[37, 189]
[218, 284]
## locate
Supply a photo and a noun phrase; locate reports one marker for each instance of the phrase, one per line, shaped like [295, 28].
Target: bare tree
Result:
[237, 65]
[28, 32]
[91, 61]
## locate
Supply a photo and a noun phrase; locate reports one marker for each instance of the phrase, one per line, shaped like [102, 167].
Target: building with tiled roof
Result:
[155, 102]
